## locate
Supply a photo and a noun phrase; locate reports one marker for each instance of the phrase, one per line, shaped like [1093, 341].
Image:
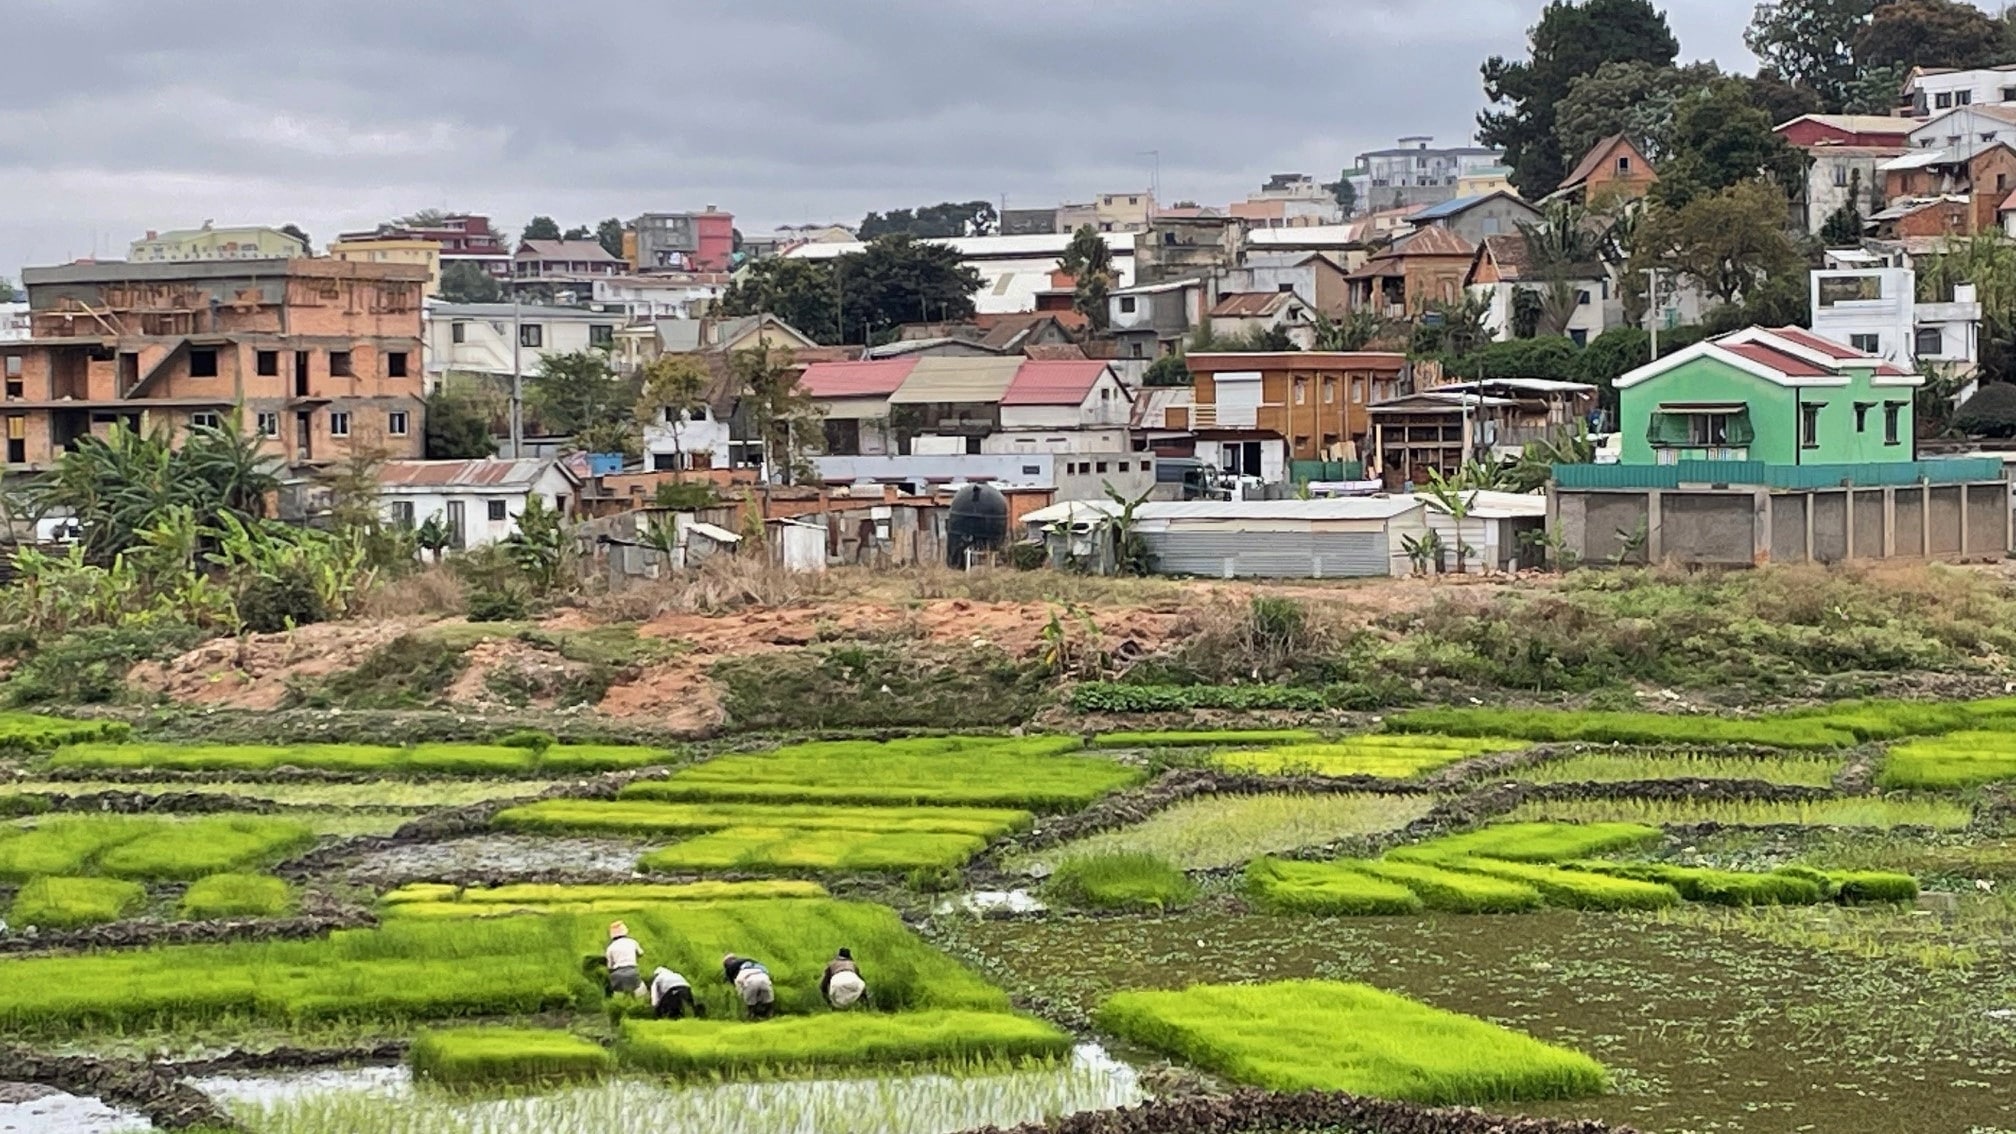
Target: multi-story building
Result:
[394, 250]
[463, 237]
[1930, 90]
[320, 357]
[1109, 212]
[1254, 413]
[673, 295]
[1845, 154]
[1417, 172]
[493, 338]
[241, 242]
[1976, 177]
[1289, 200]
[681, 242]
[1876, 312]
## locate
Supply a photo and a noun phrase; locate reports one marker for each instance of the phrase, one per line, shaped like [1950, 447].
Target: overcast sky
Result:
[117, 116]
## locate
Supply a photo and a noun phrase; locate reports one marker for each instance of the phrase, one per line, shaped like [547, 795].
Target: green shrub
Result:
[1287, 887]
[1108, 697]
[1576, 890]
[1533, 842]
[67, 903]
[471, 1056]
[705, 1048]
[868, 686]
[761, 849]
[497, 604]
[1561, 726]
[89, 666]
[148, 847]
[237, 895]
[272, 603]
[1386, 757]
[1453, 891]
[1229, 738]
[1120, 880]
[411, 671]
[1718, 887]
[531, 738]
[649, 817]
[1320, 1035]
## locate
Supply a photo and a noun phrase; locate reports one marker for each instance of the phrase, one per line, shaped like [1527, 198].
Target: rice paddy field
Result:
[1766, 924]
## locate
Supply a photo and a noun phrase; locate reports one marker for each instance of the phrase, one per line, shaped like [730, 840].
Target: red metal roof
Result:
[1811, 341]
[856, 379]
[1788, 364]
[1053, 383]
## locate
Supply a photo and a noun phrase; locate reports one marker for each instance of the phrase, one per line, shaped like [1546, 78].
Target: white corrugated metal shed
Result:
[1499, 505]
[1343, 508]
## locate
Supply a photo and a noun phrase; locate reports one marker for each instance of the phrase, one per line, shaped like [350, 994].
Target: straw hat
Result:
[618, 929]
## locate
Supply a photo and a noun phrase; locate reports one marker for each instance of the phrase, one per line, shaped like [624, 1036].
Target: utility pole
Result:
[1652, 308]
[517, 378]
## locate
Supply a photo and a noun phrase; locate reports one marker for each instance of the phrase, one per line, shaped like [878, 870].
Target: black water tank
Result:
[979, 522]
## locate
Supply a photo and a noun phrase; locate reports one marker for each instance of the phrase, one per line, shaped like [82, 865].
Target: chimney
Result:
[151, 234]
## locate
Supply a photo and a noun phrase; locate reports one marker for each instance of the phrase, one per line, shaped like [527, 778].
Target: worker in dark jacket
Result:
[842, 985]
[752, 984]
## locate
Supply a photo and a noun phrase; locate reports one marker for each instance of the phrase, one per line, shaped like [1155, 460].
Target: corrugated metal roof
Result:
[1783, 363]
[957, 380]
[976, 247]
[856, 379]
[491, 473]
[1251, 304]
[1153, 403]
[1489, 505]
[1308, 236]
[587, 251]
[1053, 383]
[1336, 508]
[1448, 208]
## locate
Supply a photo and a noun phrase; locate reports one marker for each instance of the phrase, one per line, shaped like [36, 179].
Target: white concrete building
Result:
[1931, 90]
[1967, 129]
[678, 295]
[480, 501]
[480, 337]
[13, 322]
[687, 440]
[1876, 311]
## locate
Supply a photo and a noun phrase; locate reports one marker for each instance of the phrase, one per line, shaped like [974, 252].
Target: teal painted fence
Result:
[1956, 470]
[1301, 472]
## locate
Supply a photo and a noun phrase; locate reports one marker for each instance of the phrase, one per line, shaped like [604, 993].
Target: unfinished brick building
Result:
[321, 357]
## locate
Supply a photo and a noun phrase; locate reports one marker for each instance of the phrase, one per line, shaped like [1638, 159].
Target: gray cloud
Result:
[118, 117]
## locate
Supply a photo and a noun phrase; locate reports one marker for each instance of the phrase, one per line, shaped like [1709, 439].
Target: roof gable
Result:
[1599, 156]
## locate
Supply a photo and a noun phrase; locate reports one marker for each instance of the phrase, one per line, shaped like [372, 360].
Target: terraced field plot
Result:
[421, 759]
[1799, 771]
[1376, 755]
[1879, 813]
[1957, 760]
[1227, 830]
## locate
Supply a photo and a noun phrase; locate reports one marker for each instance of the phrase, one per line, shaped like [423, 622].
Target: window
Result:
[1329, 391]
[601, 334]
[339, 364]
[203, 363]
[1893, 413]
[1126, 305]
[1963, 98]
[395, 364]
[532, 335]
[17, 440]
[1867, 344]
[1032, 470]
[497, 513]
[269, 424]
[1099, 466]
[1929, 342]
[1301, 391]
[402, 515]
[1579, 337]
[1809, 427]
[267, 363]
[1357, 391]
[1943, 100]
[13, 388]
[458, 332]
[1582, 298]
[2009, 94]
[203, 419]
[1623, 167]
[1840, 176]
[395, 423]
[1105, 394]
[339, 424]
[13, 366]
[1707, 429]
[1862, 415]
[664, 462]
[1134, 350]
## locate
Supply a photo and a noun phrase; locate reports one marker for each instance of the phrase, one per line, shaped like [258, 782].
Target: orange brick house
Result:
[1984, 176]
[320, 356]
[1252, 413]
[1614, 169]
[1426, 266]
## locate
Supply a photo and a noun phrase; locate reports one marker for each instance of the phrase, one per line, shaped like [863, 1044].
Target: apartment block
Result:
[321, 357]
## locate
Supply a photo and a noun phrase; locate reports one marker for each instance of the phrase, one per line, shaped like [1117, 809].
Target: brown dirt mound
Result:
[255, 671]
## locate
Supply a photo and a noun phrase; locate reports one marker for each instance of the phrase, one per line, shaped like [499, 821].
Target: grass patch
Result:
[1120, 880]
[648, 817]
[147, 847]
[1893, 720]
[1225, 830]
[1451, 891]
[423, 969]
[1879, 813]
[1802, 771]
[237, 895]
[1533, 842]
[67, 903]
[1959, 760]
[1386, 757]
[437, 900]
[411, 671]
[1028, 772]
[760, 849]
[1321, 1035]
[465, 1057]
[865, 686]
[497, 760]
[1111, 697]
[1562, 726]
[1241, 738]
[23, 733]
[1286, 887]
[1576, 890]
[694, 1048]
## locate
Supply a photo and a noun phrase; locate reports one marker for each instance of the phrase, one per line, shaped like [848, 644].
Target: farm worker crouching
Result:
[752, 984]
[671, 995]
[621, 956]
[842, 985]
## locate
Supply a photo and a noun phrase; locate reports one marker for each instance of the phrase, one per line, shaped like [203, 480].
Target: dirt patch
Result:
[1014, 627]
[257, 671]
[677, 695]
[505, 672]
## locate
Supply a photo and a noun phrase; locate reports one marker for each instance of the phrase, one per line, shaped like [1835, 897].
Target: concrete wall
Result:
[1737, 527]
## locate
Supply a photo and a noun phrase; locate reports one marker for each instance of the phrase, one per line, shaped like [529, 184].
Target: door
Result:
[304, 434]
[456, 526]
[300, 373]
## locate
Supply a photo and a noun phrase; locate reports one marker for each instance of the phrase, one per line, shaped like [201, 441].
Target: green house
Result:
[1779, 397]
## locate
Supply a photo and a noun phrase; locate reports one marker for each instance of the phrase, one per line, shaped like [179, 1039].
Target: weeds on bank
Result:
[1636, 768]
[1882, 813]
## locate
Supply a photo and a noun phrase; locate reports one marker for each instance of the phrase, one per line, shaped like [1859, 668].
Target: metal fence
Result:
[1958, 470]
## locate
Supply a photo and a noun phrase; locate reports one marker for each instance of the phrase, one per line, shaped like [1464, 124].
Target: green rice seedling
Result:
[1596, 767]
[467, 760]
[425, 899]
[1893, 720]
[59, 844]
[1858, 886]
[649, 817]
[1717, 887]
[31, 732]
[1225, 830]
[237, 895]
[1562, 726]
[1452, 891]
[1229, 738]
[1959, 760]
[416, 893]
[1120, 880]
[830, 849]
[1880, 813]
[586, 759]
[465, 1057]
[489, 760]
[188, 849]
[1320, 1035]
[1287, 887]
[690, 1048]
[379, 794]
[67, 903]
[1532, 842]
[1386, 757]
[1575, 890]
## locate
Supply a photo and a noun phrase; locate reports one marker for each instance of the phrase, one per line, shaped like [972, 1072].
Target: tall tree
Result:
[1874, 91]
[1811, 43]
[1572, 39]
[578, 232]
[462, 416]
[8, 294]
[609, 234]
[425, 218]
[894, 280]
[1726, 243]
[1634, 99]
[541, 228]
[1088, 259]
[675, 389]
[295, 232]
[778, 412]
[1843, 227]
[578, 395]
[949, 219]
[800, 292]
[1931, 33]
[465, 281]
[1346, 193]
[1720, 138]
[1781, 101]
